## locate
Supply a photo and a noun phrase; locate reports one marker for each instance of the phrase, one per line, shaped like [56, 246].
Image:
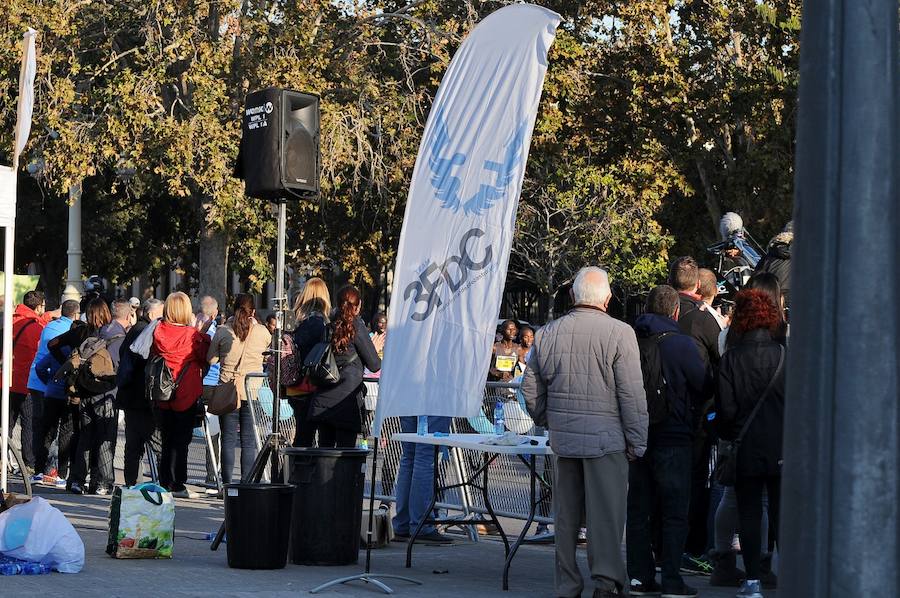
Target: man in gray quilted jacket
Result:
[584, 384]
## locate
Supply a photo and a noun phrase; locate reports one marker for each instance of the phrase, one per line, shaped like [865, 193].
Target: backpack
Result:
[291, 364]
[654, 382]
[89, 371]
[160, 383]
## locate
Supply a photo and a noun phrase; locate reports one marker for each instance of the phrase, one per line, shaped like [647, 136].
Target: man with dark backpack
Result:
[676, 381]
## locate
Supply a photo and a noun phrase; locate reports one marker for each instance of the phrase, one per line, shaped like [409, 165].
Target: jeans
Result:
[415, 478]
[58, 417]
[228, 423]
[176, 429]
[749, 491]
[727, 521]
[140, 429]
[99, 428]
[662, 475]
[20, 410]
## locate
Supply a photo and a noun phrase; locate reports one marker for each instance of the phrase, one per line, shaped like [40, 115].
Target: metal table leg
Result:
[532, 507]
[487, 501]
[427, 515]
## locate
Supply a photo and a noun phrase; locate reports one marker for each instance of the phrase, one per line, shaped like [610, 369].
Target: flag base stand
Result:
[368, 576]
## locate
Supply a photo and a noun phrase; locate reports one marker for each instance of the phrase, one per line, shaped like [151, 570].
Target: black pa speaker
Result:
[279, 151]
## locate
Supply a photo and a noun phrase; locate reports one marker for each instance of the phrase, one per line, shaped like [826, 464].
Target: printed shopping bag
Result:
[141, 523]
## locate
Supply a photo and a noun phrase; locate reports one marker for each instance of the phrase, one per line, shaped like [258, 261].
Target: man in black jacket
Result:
[696, 321]
[140, 424]
[663, 475]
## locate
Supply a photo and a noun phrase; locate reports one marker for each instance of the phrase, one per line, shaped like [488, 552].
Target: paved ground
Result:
[466, 569]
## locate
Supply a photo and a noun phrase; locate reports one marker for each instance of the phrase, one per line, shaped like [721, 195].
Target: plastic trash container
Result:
[327, 504]
[257, 524]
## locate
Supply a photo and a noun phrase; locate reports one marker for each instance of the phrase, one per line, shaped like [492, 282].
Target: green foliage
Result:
[656, 116]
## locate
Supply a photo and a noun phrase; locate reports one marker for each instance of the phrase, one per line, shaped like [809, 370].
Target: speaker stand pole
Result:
[368, 576]
[274, 442]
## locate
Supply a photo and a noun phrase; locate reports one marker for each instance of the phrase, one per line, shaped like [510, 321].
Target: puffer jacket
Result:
[27, 327]
[584, 384]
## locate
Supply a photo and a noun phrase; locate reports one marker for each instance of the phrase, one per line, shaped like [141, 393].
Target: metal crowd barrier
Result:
[509, 489]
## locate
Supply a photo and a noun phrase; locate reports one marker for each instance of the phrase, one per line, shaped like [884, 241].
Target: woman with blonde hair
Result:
[184, 350]
[311, 307]
[238, 346]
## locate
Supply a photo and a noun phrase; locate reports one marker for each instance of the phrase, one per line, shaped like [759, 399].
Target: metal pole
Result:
[840, 481]
[9, 247]
[74, 285]
[279, 328]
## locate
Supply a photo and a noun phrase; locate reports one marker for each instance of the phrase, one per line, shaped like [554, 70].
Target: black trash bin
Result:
[327, 504]
[257, 525]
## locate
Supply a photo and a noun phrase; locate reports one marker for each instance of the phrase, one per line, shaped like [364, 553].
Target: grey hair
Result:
[121, 309]
[591, 292]
[151, 304]
[208, 305]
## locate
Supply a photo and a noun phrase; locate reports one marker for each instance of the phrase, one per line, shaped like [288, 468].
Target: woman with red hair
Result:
[751, 375]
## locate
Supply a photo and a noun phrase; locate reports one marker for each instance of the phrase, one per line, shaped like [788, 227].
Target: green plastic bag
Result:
[141, 523]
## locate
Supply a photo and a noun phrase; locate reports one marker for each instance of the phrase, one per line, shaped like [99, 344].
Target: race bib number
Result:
[506, 363]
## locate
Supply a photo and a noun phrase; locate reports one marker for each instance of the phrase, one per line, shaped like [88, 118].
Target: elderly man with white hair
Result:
[584, 384]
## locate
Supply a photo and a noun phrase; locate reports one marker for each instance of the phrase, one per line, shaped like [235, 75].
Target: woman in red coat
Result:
[183, 348]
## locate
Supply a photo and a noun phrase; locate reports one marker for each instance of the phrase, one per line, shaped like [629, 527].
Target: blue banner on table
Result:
[460, 217]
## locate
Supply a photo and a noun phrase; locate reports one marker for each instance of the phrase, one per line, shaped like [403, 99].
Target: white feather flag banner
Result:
[460, 217]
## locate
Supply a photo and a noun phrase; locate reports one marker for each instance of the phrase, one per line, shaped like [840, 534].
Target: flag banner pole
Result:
[24, 111]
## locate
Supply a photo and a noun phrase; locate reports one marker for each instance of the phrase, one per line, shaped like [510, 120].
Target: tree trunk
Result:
[213, 260]
[712, 204]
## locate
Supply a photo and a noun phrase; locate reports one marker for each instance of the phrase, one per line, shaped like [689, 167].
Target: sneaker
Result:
[211, 491]
[37, 478]
[185, 493]
[102, 491]
[61, 483]
[435, 538]
[684, 590]
[750, 589]
[645, 589]
[75, 488]
[696, 565]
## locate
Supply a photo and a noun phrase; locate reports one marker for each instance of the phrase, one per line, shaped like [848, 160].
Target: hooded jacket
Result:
[38, 378]
[688, 383]
[182, 347]
[778, 261]
[26, 329]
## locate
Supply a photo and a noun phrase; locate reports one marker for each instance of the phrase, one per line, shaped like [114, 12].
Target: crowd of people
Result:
[668, 431]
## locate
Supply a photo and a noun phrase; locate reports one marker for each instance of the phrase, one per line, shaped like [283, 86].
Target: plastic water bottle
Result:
[499, 420]
[362, 442]
[34, 569]
[422, 427]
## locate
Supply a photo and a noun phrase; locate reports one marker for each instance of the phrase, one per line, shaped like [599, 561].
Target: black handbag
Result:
[727, 450]
[320, 365]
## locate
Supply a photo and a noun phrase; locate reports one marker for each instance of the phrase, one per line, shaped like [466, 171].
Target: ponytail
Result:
[244, 308]
[347, 310]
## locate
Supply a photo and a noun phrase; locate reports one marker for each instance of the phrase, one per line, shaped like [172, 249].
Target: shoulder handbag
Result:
[320, 365]
[224, 397]
[727, 450]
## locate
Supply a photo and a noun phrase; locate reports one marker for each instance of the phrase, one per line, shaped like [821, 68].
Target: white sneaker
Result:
[189, 494]
[750, 589]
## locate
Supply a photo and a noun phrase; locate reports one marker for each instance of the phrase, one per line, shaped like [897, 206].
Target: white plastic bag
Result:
[50, 538]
